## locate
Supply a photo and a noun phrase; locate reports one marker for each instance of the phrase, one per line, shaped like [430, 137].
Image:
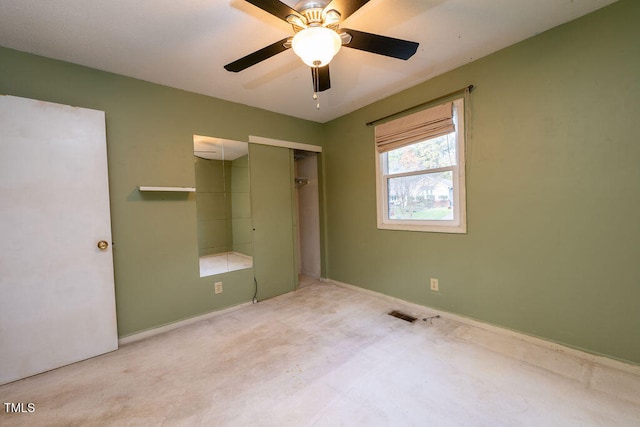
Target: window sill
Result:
[428, 228]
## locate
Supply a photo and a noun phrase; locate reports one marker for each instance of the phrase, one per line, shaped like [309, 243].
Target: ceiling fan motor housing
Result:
[304, 5]
[313, 15]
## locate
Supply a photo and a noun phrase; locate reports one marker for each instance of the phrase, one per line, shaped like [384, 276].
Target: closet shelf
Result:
[178, 189]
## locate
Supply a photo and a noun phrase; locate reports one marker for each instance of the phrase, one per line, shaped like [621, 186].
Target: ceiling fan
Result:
[318, 37]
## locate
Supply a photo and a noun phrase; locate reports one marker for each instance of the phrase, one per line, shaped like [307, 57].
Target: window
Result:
[420, 171]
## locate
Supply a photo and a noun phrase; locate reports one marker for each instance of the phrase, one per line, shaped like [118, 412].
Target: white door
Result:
[57, 299]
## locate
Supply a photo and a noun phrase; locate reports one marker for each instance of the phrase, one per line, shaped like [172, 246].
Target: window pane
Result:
[421, 197]
[430, 154]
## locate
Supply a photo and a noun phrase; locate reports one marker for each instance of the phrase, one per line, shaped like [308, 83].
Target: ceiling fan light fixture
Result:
[316, 46]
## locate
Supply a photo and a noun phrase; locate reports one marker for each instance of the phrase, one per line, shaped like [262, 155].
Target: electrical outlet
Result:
[217, 287]
[434, 284]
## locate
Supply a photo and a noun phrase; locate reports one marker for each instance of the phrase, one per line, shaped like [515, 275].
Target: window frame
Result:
[459, 222]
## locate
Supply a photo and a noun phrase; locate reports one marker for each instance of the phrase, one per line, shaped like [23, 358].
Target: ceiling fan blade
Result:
[257, 56]
[274, 7]
[320, 77]
[382, 45]
[346, 7]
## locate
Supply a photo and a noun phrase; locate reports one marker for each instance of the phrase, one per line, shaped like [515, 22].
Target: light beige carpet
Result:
[321, 356]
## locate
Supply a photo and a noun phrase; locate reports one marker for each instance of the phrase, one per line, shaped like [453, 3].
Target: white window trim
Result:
[459, 223]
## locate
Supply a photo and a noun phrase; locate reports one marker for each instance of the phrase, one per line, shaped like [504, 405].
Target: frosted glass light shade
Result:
[316, 46]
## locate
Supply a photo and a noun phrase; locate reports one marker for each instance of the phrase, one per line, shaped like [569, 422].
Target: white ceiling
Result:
[185, 44]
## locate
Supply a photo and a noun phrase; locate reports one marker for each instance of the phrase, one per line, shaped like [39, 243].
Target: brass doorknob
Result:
[102, 245]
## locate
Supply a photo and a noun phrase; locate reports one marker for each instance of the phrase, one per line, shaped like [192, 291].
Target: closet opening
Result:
[307, 208]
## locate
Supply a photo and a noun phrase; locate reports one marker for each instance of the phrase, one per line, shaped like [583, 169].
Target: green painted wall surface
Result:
[150, 132]
[553, 180]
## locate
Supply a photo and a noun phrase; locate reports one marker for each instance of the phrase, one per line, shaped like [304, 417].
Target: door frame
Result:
[321, 196]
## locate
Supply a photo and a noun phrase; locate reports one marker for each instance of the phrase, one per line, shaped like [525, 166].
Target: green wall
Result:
[150, 132]
[553, 242]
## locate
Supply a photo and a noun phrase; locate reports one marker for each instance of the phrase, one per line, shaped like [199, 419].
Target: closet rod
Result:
[466, 88]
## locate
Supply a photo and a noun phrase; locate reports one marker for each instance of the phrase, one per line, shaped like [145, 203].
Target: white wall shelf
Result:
[178, 189]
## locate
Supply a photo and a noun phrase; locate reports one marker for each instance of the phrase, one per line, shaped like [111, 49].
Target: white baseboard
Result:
[597, 372]
[137, 336]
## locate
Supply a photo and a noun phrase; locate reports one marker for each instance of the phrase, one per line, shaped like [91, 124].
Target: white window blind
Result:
[425, 124]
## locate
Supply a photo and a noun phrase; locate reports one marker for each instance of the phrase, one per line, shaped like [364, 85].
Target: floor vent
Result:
[403, 316]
